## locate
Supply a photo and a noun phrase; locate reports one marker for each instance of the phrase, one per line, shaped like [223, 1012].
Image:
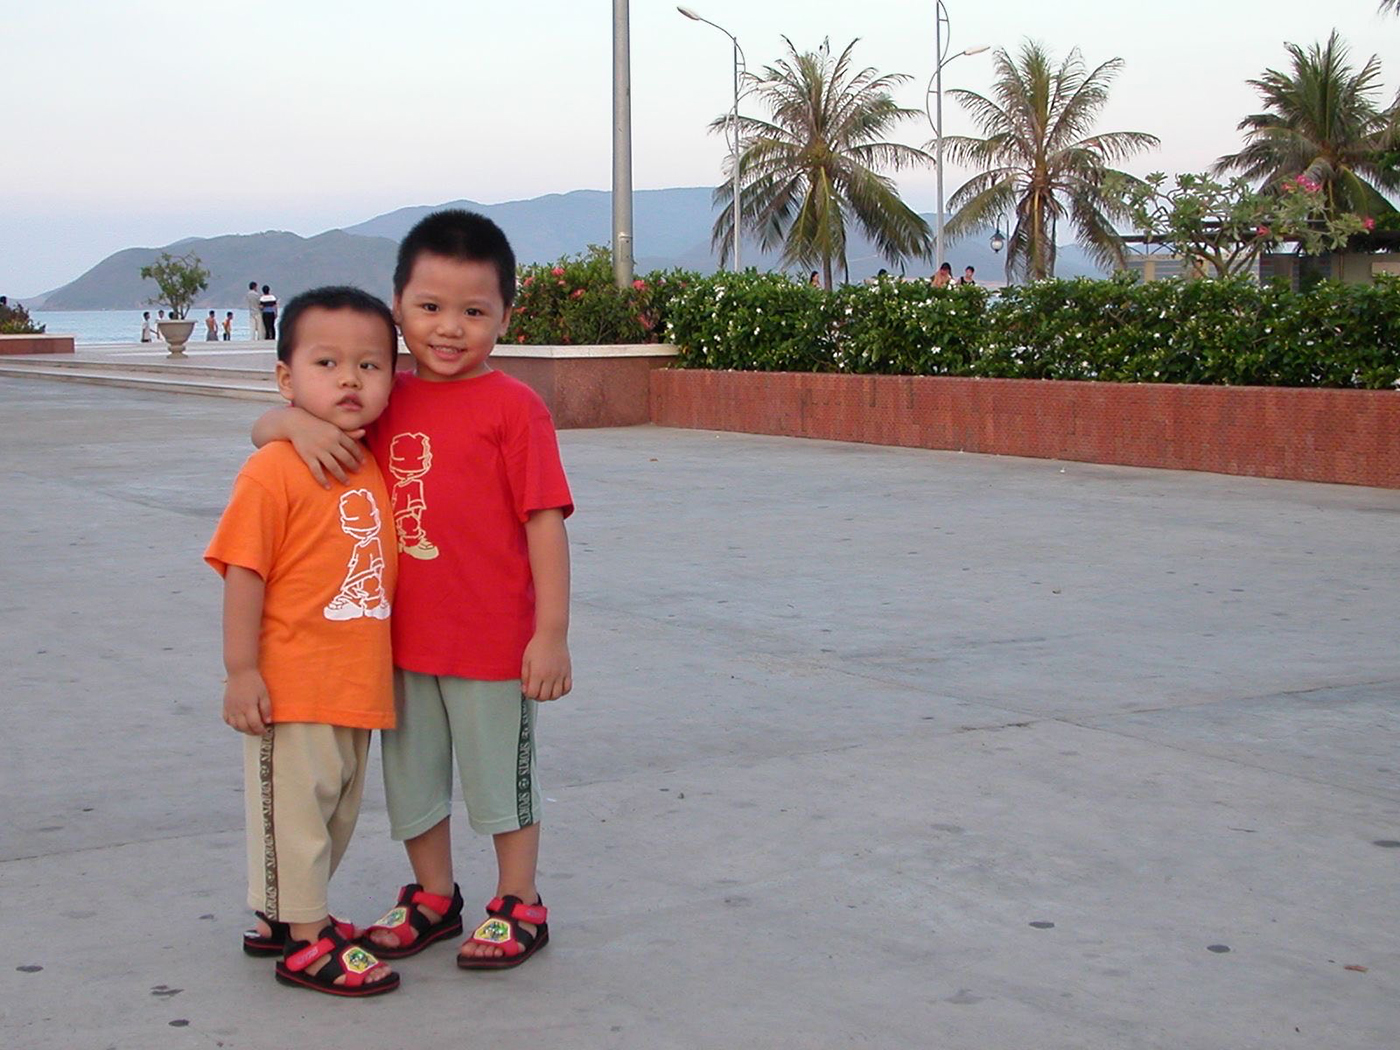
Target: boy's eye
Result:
[430, 307]
[472, 311]
[370, 366]
[325, 362]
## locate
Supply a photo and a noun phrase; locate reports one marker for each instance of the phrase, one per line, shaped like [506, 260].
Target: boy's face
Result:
[341, 369]
[451, 313]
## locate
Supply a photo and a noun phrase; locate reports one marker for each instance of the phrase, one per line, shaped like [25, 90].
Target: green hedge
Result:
[1221, 332]
[575, 301]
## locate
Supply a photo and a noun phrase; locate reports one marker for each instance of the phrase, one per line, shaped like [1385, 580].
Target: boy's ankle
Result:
[308, 931]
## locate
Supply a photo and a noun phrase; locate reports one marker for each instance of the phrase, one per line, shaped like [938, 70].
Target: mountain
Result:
[671, 229]
[286, 262]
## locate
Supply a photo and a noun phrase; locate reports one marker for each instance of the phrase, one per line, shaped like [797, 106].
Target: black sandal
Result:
[503, 930]
[344, 958]
[411, 928]
[256, 944]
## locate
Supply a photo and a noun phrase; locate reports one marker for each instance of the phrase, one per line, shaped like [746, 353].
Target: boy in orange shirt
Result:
[308, 576]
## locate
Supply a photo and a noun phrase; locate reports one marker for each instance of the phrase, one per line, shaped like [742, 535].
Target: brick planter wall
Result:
[1344, 436]
[36, 344]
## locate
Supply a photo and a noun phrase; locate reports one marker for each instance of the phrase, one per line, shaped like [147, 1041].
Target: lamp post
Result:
[998, 241]
[935, 88]
[739, 63]
[622, 146]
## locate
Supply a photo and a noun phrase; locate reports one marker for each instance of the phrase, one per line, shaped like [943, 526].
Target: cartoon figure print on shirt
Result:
[410, 458]
[362, 593]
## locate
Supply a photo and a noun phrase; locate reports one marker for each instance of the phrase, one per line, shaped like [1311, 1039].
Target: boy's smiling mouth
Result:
[350, 401]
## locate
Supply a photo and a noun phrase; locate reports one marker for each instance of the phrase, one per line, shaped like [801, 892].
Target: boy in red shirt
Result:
[308, 577]
[481, 617]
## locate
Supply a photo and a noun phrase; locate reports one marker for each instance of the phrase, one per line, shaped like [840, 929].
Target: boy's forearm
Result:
[243, 607]
[272, 426]
[548, 544]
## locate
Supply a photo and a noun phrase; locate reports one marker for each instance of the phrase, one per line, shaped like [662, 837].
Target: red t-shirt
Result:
[466, 463]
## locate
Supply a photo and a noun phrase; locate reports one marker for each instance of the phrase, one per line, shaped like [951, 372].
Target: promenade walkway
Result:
[869, 747]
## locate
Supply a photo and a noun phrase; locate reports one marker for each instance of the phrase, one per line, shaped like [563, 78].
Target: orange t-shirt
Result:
[329, 563]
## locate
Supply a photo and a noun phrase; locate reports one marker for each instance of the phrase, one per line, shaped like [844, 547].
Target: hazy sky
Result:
[141, 122]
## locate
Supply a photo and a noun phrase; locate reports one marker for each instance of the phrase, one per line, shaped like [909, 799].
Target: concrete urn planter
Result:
[176, 334]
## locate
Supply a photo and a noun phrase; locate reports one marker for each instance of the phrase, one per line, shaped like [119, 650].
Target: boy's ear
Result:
[505, 322]
[284, 380]
[396, 309]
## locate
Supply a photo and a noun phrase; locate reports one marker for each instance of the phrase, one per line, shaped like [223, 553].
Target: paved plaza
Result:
[868, 747]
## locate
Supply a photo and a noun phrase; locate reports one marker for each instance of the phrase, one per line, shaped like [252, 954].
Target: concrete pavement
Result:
[869, 747]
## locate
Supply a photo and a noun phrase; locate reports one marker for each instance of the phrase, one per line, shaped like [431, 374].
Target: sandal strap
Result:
[515, 908]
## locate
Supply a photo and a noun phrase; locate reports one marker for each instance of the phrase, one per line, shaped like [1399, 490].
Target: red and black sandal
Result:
[503, 930]
[344, 958]
[413, 930]
[256, 944]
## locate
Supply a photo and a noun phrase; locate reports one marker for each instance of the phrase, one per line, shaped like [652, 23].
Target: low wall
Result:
[36, 344]
[588, 386]
[1344, 436]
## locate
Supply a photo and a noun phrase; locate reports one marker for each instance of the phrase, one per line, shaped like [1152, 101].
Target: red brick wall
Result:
[588, 391]
[1346, 436]
[36, 344]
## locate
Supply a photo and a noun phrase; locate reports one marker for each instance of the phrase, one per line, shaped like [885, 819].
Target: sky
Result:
[139, 123]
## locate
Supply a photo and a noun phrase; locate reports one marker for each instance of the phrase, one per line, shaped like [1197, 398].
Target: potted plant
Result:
[180, 281]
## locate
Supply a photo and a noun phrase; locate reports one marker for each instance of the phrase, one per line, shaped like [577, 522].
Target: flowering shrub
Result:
[575, 301]
[909, 328]
[750, 320]
[1217, 331]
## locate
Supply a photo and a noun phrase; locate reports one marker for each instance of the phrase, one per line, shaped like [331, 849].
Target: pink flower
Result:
[577, 293]
[639, 284]
[558, 271]
[529, 281]
[1263, 231]
[520, 339]
[1369, 223]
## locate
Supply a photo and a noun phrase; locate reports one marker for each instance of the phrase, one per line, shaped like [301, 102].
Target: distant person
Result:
[969, 276]
[148, 331]
[254, 300]
[944, 276]
[211, 328]
[267, 303]
[160, 316]
[228, 326]
[815, 280]
[307, 641]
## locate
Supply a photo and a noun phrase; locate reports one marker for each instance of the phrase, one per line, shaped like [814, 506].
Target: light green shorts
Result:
[488, 726]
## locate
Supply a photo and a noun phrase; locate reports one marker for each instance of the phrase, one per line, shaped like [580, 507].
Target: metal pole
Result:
[738, 211]
[940, 14]
[622, 147]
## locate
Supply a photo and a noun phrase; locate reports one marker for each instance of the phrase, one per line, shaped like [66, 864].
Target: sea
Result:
[92, 327]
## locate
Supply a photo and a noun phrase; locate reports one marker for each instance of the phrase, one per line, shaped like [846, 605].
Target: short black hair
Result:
[266, 289]
[948, 267]
[971, 269]
[462, 235]
[253, 285]
[333, 297]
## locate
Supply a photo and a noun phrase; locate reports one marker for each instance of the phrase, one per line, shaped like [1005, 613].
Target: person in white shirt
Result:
[254, 300]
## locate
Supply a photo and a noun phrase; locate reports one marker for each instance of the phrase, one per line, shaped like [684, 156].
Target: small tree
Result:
[15, 320]
[1224, 226]
[180, 281]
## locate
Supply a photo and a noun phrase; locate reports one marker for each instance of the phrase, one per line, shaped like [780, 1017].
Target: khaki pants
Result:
[255, 328]
[301, 786]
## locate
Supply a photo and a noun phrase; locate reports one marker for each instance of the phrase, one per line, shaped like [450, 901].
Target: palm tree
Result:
[1042, 161]
[1393, 6]
[816, 164]
[1321, 121]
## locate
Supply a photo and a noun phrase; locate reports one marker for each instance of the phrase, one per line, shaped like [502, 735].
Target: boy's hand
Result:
[545, 672]
[247, 707]
[324, 447]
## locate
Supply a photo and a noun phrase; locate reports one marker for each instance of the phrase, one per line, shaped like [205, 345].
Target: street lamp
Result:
[998, 241]
[739, 63]
[935, 88]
